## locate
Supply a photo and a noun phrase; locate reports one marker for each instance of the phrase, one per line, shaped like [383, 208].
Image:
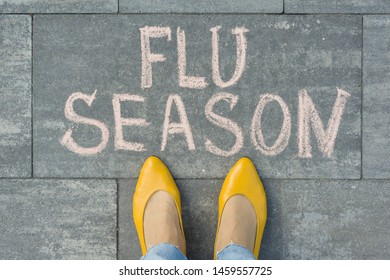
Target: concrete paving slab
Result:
[15, 96]
[201, 6]
[336, 219]
[200, 217]
[57, 219]
[58, 6]
[336, 6]
[284, 90]
[376, 108]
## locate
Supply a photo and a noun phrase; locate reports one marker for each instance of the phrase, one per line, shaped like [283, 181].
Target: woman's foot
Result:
[157, 207]
[161, 222]
[242, 209]
[238, 224]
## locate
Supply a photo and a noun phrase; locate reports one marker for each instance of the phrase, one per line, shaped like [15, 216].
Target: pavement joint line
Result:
[185, 178]
[62, 178]
[199, 179]
[32, 95]
[200, 13]
[191, 179]
[282, 209]
[117, 218]
[361, 101]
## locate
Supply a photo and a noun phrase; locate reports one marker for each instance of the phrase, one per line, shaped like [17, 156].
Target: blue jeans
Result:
[165, 251]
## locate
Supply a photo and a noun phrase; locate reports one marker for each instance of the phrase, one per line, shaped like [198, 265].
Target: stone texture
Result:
[376, 108]
[336, 6]
[15, 96]
[58, 6]
[336, 219]
[285, 54]
[201, 6]
[57, 219]
[200, 217]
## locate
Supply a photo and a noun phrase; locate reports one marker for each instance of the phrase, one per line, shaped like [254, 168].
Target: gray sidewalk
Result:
[90, 89]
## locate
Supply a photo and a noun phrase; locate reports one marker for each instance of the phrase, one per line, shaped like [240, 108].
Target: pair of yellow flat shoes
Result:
[241, 180]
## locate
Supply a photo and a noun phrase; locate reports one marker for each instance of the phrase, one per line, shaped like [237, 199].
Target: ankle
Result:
[238, 224]
[162, 222]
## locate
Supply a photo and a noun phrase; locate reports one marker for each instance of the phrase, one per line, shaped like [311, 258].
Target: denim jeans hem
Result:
[235, 252]
[164, 251]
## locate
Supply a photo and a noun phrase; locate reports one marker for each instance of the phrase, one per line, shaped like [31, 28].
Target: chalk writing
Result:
[257, 131]
[240, 60]
[120, 143]
[71, 115]
[223, 123]
[184, 80]
[147, 57]
[308, 115]
[182, 127]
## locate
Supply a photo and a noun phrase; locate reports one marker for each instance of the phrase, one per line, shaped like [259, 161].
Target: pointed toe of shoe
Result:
[155, 173]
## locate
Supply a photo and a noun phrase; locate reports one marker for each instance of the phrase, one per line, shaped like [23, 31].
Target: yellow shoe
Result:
[154, 177]
[244, 180]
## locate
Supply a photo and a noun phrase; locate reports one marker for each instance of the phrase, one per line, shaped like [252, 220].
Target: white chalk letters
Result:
[308, 116]
[120, 143]
[173, 128]
[241, 56]
[223, 123]
[257, 130]
[308, 121]
[71, 115]
[147, 57]
[185, 81]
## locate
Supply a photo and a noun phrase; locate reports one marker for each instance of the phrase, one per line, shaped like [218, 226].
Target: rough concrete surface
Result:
[376, 106]
[336, 220]
[336, 6]
[15, 96]
[201, 6]
[57, 219]
[58, 6]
